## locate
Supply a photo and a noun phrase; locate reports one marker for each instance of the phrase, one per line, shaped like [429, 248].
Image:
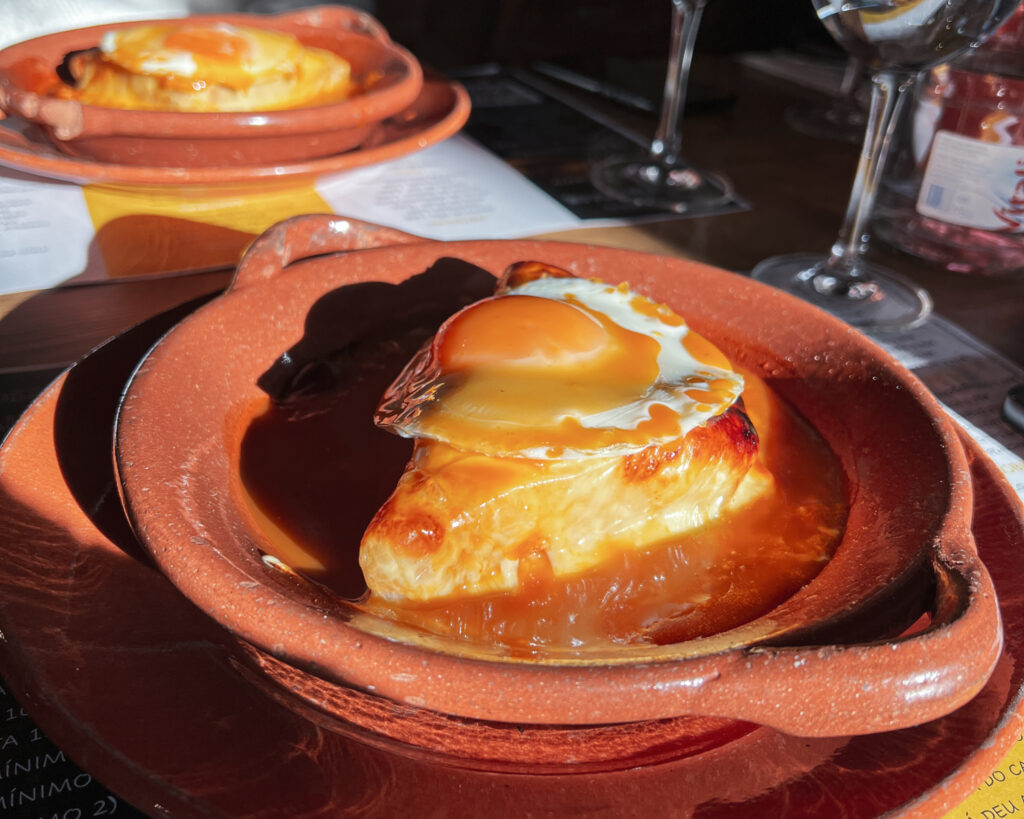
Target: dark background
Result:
[598, 37]
[587, 32]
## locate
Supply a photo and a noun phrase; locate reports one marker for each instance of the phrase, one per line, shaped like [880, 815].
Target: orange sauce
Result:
[316, 472]
[33, 74]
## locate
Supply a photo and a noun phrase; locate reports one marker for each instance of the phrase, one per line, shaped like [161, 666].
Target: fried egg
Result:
[235, 56]
[561, 367]
[559, 424]
[194, 66]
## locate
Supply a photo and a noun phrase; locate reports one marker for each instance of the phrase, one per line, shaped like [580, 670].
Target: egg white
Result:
[675, 364]
[407, 406]
[143, 50]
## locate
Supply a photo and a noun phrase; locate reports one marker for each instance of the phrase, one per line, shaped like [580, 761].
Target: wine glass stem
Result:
[886, 100]
[667, 143]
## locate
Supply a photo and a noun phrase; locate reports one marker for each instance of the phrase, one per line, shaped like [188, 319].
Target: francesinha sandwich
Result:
[558, 425]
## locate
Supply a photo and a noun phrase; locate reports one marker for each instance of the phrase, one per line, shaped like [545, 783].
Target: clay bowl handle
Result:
[838, 689]
[303, 237]
[801, 686]
[63, 117]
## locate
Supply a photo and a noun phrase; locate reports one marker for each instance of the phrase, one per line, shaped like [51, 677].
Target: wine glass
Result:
[660, 178]
[895, 39]
[843, 118]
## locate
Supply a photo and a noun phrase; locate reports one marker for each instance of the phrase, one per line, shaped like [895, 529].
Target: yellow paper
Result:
[1001, 793]
[164, 230]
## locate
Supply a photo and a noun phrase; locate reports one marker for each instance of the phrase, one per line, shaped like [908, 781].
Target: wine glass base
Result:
[641, 182]
[880, 300]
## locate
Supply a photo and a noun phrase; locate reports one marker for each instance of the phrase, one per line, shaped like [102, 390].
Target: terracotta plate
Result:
[818, 663]
[174, 139]
[141, 689]
[440, 111]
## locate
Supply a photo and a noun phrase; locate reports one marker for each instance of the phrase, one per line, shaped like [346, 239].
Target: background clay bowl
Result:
[173, 139]
[824, 662]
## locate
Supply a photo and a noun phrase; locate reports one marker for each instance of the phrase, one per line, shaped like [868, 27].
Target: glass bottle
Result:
[953, 192]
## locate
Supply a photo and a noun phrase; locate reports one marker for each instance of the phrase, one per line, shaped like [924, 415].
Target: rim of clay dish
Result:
[178, 424]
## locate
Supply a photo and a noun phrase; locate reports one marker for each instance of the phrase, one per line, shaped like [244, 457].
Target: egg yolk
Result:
[547, 339]
[206, 41]
[544, 363]
[187, 54]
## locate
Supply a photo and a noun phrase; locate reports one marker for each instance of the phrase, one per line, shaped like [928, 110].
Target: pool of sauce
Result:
[315, 469]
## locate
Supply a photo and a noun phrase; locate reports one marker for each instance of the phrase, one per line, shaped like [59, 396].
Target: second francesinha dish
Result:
[206, 67]
[587, 470]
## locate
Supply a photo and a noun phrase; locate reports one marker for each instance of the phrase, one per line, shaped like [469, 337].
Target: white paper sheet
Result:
[45, 233]
[453, 190]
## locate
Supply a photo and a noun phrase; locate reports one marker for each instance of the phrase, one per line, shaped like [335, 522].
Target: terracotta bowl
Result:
[173, 139]
[835, 658]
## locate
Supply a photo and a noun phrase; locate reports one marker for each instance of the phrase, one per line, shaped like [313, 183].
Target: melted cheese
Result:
[466, 524]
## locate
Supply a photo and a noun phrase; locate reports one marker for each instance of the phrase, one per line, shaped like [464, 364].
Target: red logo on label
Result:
[1010, 215]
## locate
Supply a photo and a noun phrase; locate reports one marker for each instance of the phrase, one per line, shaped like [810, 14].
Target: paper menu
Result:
[454, 190]
[1000, 794]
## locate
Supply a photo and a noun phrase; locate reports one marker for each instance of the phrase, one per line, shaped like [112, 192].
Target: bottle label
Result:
[974, 184]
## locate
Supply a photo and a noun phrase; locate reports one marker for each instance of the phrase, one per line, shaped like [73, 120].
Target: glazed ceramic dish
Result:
[439, 112]
[140, 687]
[828, 660]
[173, 139]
